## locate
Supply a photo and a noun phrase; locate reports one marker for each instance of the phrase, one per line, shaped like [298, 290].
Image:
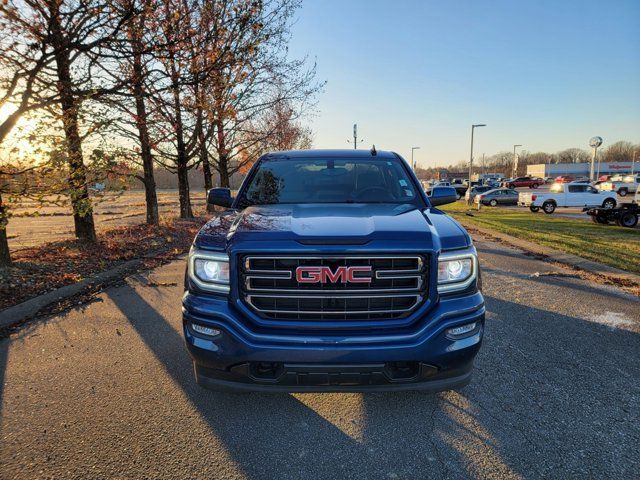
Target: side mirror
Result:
[442, 196]
[220, 197]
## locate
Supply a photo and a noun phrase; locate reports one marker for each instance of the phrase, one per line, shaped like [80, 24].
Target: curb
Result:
[552, 255]
[30, 308]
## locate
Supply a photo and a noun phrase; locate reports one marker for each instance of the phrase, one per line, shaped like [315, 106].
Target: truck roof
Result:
[332, 153]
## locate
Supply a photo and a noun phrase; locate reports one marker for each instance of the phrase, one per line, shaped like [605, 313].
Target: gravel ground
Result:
[106, 391]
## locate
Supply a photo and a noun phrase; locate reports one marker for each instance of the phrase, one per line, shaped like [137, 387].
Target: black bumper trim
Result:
[428, 386]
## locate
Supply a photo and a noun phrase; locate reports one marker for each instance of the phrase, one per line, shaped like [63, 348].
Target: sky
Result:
[545, 74]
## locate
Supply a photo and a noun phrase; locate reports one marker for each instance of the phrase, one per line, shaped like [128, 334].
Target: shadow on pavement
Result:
[268, 435]
[552, 395]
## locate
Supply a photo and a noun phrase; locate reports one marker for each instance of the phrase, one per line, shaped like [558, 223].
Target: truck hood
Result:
[331, 224]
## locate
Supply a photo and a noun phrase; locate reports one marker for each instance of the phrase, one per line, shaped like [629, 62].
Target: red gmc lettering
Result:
[326, 275]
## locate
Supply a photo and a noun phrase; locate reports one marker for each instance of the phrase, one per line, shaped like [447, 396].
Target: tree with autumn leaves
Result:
[177, 84]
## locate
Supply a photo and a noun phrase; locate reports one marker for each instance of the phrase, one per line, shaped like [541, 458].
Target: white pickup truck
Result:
[567, 195]
[622, 186]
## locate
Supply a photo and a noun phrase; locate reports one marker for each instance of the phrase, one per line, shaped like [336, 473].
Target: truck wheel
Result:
[549, 207]
[622, 192]
[534, 186]
[458, 196]
[609, 203]
[599, 219]
[510, 186]
[493, 203]
[534, 209]
[628, 220]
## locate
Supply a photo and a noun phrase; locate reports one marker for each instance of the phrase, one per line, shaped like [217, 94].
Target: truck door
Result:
[575, 196]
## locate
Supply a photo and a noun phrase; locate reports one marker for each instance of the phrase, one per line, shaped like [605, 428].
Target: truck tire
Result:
[511, 186]
[622, 192]
[534, 186]
[627, 219]
[493, 203]
[549, 207]
[609, 203]
[599, 219]
[534, 209]
[458, 196]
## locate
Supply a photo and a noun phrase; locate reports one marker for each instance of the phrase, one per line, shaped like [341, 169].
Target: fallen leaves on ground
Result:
[41, 269]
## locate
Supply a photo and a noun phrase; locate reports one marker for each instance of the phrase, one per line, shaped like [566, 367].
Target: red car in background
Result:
[565, 179]
[531, 182]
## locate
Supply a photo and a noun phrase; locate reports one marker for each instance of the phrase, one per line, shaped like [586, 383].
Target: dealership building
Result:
[581, 169]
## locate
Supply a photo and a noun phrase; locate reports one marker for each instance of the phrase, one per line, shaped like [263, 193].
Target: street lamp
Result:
[515, 161]
[471, 156]
[413, 164]
[594, 143]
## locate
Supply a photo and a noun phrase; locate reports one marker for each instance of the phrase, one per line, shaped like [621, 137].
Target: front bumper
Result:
[242, 358]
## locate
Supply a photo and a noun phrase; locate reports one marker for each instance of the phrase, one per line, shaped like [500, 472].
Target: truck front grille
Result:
[384, 287]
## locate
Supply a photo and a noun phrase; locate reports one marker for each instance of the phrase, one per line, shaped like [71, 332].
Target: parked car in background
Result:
[531, 182]
[564, 179]
[471, 193]
[584, 180]
[567, 195]
[626, 184]
[498, 196]
[548, 179]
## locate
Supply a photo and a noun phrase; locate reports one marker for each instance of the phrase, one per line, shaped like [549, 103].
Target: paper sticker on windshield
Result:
[403, 183]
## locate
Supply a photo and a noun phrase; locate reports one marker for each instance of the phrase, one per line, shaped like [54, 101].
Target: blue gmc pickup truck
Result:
[331, 270]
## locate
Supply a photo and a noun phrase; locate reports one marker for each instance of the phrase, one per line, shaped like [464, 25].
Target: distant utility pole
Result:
[413, 163]
[355, 136]
[483, 169]
[515, 161]
[473, 127]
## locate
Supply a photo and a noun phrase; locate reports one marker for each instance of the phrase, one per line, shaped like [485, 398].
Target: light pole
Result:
[515, 161]
[473, 127]
[413, 164]
[355, 136]
[594, 143]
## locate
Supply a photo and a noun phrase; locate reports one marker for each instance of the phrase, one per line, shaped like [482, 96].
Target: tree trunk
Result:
[206, 166]
[224, 172]
[79, 194]
[183, 191]
[181, 160]
[223, 160]
[151, 197]
[5, 256]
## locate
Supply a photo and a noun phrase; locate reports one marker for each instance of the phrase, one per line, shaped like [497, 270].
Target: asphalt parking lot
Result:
[106, 391]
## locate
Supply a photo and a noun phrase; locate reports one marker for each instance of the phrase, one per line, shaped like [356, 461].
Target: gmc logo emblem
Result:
[326, 275]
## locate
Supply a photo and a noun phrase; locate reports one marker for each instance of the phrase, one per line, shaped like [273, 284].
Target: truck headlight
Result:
[456, 270]
[209, 270]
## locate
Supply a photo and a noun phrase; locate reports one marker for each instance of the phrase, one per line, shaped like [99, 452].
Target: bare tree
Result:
[572, 155]
[255, 76]
[76, 33]
[619, 152]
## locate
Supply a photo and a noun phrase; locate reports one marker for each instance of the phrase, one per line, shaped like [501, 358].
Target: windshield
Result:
[330, 180]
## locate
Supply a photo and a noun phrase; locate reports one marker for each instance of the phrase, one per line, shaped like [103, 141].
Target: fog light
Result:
[201, 329]
[457, 331]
